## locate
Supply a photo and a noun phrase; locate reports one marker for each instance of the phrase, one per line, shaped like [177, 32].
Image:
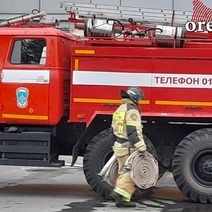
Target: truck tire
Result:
[192, 166]
[98, 152]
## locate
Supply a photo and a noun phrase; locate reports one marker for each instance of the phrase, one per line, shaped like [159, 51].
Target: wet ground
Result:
[31, 189]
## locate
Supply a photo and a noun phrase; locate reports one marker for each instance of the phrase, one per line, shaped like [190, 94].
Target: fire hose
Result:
[143, 168]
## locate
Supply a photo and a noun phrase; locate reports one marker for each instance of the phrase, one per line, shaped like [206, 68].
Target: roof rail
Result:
[22, 19]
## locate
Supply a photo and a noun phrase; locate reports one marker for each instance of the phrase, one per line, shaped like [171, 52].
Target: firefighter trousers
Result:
[124, 185]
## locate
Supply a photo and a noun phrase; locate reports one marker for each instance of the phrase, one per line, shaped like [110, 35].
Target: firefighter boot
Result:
[120, 202]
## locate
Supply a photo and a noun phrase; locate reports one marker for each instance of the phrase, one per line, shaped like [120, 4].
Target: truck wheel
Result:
[97, 154]
[192, 166]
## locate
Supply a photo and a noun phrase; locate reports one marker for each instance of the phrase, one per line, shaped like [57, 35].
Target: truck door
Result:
[25, 82]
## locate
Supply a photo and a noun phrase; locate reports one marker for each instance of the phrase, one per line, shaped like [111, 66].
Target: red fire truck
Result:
[59, 90]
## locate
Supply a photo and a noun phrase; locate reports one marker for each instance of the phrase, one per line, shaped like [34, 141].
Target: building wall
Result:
[53, 6]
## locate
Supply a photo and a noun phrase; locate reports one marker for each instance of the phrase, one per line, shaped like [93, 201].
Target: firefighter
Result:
[127, 128]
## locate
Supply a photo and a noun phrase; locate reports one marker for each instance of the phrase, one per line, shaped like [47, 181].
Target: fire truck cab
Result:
[32, 83]
[34, 91]
[59, 91]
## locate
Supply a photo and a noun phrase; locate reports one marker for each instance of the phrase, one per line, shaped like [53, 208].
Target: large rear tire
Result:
[192, 166]
[97, 154]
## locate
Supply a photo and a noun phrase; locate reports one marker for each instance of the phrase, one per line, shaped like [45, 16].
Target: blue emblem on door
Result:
[22, 95]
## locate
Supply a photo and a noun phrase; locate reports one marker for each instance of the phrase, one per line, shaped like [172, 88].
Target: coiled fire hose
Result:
[109, 172]
[143, 168]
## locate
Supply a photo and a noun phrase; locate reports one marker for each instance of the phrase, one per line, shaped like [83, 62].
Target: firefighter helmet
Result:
[133, 93]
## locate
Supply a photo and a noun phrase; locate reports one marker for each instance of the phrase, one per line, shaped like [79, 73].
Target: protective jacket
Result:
[127, 127]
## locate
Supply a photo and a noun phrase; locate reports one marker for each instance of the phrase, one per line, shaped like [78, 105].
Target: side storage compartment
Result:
[25, 149]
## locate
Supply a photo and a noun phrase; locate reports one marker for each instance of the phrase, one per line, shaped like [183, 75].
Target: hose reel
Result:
[101, 27]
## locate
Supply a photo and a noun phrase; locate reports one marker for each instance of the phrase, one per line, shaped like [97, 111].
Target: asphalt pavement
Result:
[33, 189]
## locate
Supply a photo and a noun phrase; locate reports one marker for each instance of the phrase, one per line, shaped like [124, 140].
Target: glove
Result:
[142, 149]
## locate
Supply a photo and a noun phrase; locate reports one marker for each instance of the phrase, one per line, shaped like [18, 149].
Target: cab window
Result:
[29, 51]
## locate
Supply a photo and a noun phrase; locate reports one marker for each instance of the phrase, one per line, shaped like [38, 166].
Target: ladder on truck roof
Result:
[124, 13]
[158, 27]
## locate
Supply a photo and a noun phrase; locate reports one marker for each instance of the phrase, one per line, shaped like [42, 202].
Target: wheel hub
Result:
[202, 167]
[207, 167]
